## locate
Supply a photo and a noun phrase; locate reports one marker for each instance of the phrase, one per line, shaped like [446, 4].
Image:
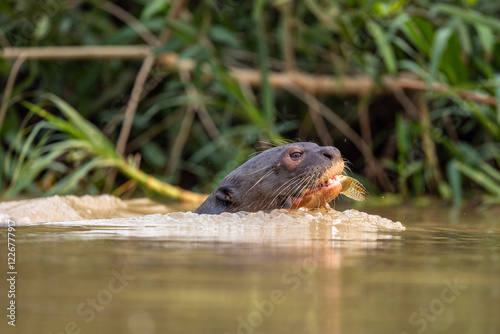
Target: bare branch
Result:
[78, 52]
[9, 87]
[357, 85]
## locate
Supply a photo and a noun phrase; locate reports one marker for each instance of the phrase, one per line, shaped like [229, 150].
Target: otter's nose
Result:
[329, 152]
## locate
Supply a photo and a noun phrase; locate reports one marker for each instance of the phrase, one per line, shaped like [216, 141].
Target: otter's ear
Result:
[225, 194]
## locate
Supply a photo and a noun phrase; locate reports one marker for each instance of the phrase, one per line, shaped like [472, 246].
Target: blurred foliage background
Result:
[185, 91]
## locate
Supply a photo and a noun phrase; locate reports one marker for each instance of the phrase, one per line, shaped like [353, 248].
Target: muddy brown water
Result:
[301, 272]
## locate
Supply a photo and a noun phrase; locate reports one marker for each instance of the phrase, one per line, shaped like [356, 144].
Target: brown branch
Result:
[78, 52]
[405, 101]
[364, 119]
[288, 49]
[135, 97]
[180, 140]
[319, 124]
[315, 84]
[9, 87]
[153, 131]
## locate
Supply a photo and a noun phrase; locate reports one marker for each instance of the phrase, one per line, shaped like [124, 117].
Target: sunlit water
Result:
[302, 272]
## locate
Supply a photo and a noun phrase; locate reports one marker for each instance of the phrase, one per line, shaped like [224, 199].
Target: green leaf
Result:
[420, 32]
[398, 22]
[152, 8]
[173, 44]
[489, 170]
[487, 39]
[68, 184]
[389, 8]
[225, 36]
[464, 38]
[453, 64]
[42, 27]
[383, 45]
[480, 178]
[76, 126]
[153, 154]
[183, 30]
[438, 47]
[192, 52]
[468, 15]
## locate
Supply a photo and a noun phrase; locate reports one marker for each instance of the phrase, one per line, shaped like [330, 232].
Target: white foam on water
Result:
[276, 226]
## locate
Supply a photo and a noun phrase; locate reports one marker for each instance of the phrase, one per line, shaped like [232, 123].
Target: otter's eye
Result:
[295, 155]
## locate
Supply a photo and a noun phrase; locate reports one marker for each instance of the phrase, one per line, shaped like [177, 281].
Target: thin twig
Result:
[207, 122]
[405, 101]
[9, 87]
[364, 119]
[319, 124]
[316, 84]
[180, 140]
[153, 131]
[133, 102]
[288, 49]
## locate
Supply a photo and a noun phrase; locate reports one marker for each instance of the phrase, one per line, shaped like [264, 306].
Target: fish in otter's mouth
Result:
[320, 195]
[322, 191]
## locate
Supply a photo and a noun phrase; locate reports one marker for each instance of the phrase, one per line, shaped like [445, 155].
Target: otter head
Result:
[289, 176]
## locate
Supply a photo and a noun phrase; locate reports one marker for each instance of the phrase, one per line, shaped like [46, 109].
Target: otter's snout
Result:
[329, 152]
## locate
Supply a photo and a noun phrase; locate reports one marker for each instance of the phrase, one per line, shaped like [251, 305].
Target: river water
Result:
[438, 271]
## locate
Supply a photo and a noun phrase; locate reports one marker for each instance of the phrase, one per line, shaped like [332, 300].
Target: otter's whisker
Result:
[288, 187]
[285, 188]
[287, 183]
[258, 170]
[301, 187]
[262, 199]
[291, 191]
[260, 180]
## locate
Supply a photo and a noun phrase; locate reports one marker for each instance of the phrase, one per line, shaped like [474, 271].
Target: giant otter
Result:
[290, 176]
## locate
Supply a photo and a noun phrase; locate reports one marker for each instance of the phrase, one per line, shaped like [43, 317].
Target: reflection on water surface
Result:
[302, 272]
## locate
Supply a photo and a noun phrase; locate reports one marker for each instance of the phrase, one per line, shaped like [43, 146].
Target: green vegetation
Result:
[407, 90]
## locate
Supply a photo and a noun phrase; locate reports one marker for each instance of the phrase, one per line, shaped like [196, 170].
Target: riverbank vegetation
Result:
[154, 96]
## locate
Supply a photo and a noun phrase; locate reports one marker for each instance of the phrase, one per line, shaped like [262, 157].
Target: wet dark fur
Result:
[272, 179]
